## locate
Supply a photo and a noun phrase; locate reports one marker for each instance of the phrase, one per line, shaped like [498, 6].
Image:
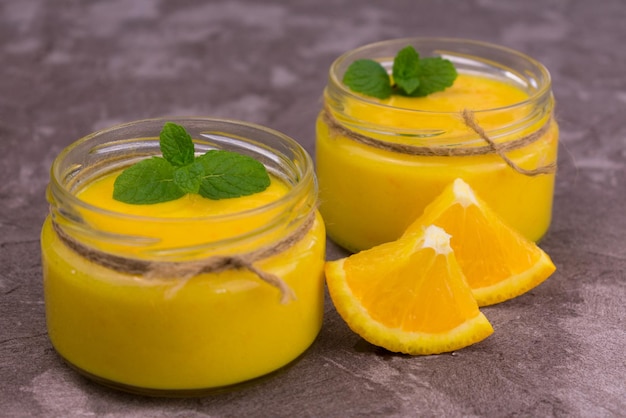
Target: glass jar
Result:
[380, 162]
[176, 305]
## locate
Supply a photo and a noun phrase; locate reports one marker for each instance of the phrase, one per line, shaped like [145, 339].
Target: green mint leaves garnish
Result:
[412, 76]
[217, 174]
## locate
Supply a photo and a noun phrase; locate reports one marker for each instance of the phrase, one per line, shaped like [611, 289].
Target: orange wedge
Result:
[408, 296]
[497, 261]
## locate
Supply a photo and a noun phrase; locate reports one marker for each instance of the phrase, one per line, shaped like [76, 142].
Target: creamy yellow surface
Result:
[213, 330]
[369, 196]
[179, 223]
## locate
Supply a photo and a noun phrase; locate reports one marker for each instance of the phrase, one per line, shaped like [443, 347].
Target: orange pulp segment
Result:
[408, 296]
[497, 261]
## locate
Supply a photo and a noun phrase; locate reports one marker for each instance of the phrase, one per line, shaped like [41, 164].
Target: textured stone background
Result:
[70, 67]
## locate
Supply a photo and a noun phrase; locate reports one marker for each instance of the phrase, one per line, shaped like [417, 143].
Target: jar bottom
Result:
[181, 393]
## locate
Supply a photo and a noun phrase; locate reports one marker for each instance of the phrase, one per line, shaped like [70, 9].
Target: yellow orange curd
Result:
[175, 334]
[370, 195]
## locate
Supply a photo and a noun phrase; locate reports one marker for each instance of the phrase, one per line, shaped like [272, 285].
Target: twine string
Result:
[470, 122]
[184, 270]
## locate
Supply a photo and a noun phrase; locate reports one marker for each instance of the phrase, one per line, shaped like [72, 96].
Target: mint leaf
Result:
[406, 69]
[214, 175]
[412, 76]
[176, 145]
[435, 74]
[368, 77]
[228, 174]
[147, 182]
[188, 177]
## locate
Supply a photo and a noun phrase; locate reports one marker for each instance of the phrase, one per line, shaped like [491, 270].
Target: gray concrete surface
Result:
[68, 68]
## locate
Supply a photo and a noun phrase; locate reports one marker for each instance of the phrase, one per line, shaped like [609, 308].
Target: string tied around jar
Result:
[470, 122]
[185, 270]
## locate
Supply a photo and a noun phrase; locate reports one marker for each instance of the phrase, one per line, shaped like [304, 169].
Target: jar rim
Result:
[467, 47]
[304, 179]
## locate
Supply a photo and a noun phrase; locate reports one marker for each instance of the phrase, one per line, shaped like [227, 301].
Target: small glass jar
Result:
[380, 162]
[240, 296]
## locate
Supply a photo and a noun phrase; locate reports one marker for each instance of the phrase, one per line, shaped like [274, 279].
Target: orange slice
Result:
[408, 296]
[497, 261]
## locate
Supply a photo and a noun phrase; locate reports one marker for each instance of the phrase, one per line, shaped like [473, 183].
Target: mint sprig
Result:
[412, 76]
[217, 174]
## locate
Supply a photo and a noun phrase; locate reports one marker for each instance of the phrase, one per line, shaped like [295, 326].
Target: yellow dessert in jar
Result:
[381, 161]
[182, 331]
